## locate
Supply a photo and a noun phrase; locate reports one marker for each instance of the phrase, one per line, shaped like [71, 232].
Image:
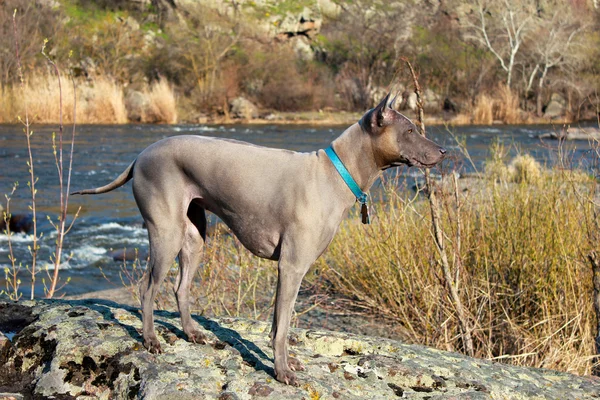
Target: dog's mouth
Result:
[411, 162]
[416, 163]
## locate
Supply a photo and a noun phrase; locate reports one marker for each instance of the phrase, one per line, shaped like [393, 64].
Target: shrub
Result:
[524, 169]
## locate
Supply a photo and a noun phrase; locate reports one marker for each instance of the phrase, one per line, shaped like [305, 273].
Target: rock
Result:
[240, 107]
[302, 48]
[305, 23]
[573, 134]
[431, 99]
[135, 103]
[556, 107]
[409, 101]
[92, 349]
[127, 254]
[18, 223]
[450, 105]
[377, 93]
[329, 8]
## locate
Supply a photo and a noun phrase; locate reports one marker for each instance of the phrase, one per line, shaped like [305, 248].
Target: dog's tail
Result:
[118, 182]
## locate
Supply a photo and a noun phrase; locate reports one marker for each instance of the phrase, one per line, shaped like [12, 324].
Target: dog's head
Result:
[396, 140]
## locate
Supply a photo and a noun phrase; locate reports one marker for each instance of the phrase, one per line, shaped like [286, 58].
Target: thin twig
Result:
[61, 228]
[32, 180]
[438, 232]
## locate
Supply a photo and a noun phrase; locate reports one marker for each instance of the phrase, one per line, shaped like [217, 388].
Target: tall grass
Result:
[161, 104]
[506, 105]
[502, 105]
[519, 259]
[483, 110]
[100, 101]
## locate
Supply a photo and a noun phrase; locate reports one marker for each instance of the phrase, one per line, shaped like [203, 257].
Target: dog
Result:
[282, 205]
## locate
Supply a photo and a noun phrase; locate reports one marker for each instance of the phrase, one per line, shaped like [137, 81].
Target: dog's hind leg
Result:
[189, 260]
[166, 241]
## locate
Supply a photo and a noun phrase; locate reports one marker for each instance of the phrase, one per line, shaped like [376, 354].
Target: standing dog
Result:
[281, 205]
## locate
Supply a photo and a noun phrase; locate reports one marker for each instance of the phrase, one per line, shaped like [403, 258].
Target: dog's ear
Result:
[374, 119]
[393, 102]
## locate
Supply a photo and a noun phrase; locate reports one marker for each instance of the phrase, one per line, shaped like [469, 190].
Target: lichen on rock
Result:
[92, 349]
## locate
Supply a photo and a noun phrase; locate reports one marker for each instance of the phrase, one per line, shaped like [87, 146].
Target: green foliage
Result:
[279, 8]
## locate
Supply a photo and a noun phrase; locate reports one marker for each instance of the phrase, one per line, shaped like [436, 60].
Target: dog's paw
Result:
[196, 337]
[295, 364]
[152, 345]
[287, 376]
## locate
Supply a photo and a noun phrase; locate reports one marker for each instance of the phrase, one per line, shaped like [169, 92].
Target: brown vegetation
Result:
[341, 57]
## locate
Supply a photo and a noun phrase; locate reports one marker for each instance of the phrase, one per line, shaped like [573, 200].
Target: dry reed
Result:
[99, 102]
[503, 106]
[161, 104]
[506, 106]
[483, 111]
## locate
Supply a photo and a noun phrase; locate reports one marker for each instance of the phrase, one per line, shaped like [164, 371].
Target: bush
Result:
[524, 169]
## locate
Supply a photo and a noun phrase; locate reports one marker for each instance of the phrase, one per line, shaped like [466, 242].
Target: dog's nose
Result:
[442, 150]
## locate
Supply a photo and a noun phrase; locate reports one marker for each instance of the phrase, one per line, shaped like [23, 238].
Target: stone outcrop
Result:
[556, 107]
[240, 107]
[572, 133]
[92, 349]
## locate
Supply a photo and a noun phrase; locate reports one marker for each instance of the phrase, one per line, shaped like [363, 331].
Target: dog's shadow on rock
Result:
[248, 350]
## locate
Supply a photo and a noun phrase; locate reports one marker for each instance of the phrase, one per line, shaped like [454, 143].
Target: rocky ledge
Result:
[91, 349]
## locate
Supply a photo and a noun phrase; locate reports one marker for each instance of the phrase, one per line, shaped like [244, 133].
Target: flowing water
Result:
[111, 221]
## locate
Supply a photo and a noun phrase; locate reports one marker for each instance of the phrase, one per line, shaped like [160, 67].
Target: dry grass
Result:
[161, 104]
[524, 168]
[100, 101]
[506, 106]
[519, 258]
[6, 105]
[502, 105]
[483, 111]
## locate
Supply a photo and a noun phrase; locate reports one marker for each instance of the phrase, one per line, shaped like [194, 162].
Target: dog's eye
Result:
[410, 131]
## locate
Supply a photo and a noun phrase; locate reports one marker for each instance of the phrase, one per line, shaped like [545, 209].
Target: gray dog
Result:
[281, 205]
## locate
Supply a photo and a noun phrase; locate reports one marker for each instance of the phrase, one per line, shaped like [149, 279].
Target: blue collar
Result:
[361, 196]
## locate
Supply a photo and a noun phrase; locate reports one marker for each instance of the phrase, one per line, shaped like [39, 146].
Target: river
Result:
[111, 221]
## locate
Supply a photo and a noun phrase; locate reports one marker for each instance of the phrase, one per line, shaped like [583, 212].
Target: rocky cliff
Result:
[92, 349]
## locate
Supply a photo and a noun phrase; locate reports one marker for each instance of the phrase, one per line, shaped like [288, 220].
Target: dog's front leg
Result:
[291, 271]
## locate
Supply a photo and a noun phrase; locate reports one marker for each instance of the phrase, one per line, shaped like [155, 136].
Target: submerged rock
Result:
[573, 134]
[92, 349]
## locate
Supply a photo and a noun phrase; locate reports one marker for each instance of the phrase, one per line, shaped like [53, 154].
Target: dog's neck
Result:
[354, 148]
